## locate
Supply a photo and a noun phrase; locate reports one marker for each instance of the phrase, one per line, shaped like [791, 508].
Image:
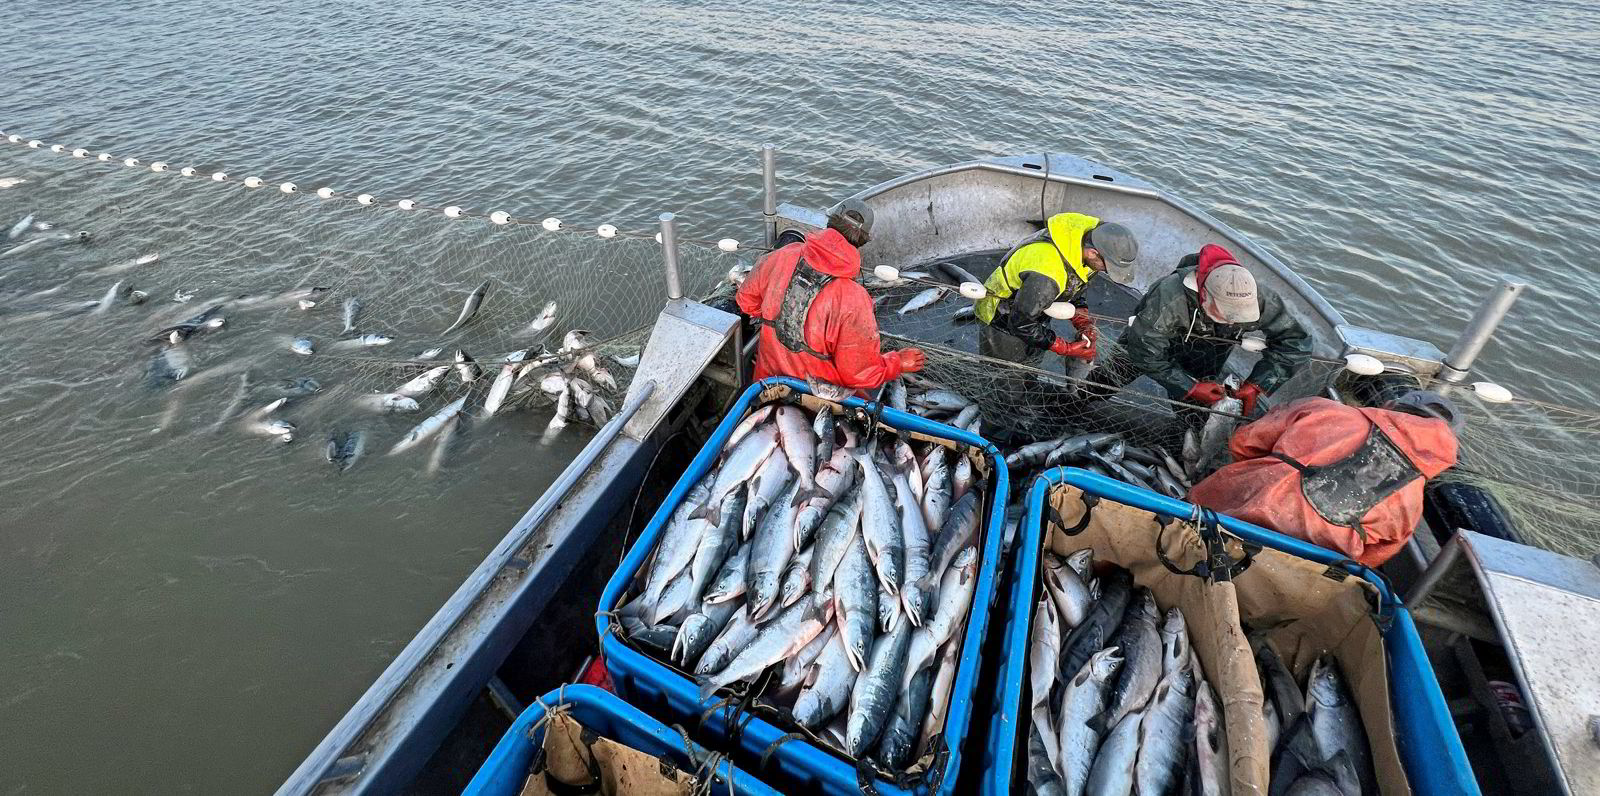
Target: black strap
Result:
[1089, 503]
[864, 777]
[766, 756]
[1291, 461]
[1382, 615]
[1217, 566]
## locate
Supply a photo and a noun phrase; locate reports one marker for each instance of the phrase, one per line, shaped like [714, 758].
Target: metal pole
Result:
[1436, 569]
[1459, 361]
[769, 186]
[669, 254]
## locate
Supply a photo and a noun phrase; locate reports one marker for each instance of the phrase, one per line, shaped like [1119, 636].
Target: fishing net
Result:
[256, 251]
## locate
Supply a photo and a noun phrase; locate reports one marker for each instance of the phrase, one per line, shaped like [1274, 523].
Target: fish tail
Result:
[802, 496]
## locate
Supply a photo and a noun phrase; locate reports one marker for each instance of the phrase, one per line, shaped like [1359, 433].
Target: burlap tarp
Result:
[1304, 612]
[576, 760]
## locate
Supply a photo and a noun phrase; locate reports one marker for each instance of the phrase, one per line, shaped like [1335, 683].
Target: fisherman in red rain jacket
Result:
[1345, 478]
[816, 319]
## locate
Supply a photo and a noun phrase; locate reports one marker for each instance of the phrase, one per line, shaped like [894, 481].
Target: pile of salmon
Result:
[834, 554]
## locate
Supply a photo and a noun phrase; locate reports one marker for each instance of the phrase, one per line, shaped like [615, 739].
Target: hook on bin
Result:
[1089, 504]
[1217, 566]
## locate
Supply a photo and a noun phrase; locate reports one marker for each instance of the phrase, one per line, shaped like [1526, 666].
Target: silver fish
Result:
[733, 638]
[1140, 642]
[1043, 780]
[129, 265]
[45, 241]
[873, 696]
[715, 544]
[823, 428]
[110, 296]
[895, 394]
[788, 633]
[424, 383]
[1174, 642]
[796, 581]
[352, 310]
[958, 531]
[1163, 735]
[905, 726]
[1077, 729]
[1113, 769]
[730, 580]
[936, 490]
[880, 524]
[1279, 685]
[502, 382]
[559, 418]
[470, 308]
[836, 478]
[343, 450]
[800, 446]
[574, 340]
[1211, 750]
[939, 700]
[429, 427]
[468, 369]
[1335, 722]
[771, 481]
[1044, 648]
[1068, 591]
[954, 597]
[388, 402]
[749, 423]
[545, 319]
[940, 401]
[828, 684]
[431, 353]
[1214, 435]
[961, 478]
[283, 430]
[673, 604]
[374, 339]
[796, 667]
[914, 534]
[855, 589]
[700, 629]
[677, 543]
[834, 536]
[739, 463]
[769, 555]
[923, 299]
[20, 227]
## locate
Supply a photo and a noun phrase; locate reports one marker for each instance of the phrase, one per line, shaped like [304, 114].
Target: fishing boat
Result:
[518, 625]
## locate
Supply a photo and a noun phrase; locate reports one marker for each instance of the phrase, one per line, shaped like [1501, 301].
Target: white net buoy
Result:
[325, 192]
[158, 166]
[80, 153]
[1363, 364]
[130, 162]
[1254, 344]
[1491, 392]
[14, 138]
[500, 217]
[728, 244]
[551, 224]
[35, 144]
[252, 182]
[187, 171]
[973, 290]
[105, 157]
[219, 176]
[887, 273]
[288, 187]
[365, 199]
[1061, 310]
[452, 211]
[57, 148]
[658, 237]
[406, 204]
[606, 231]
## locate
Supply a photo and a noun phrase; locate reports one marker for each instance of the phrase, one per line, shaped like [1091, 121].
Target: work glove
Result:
[1248, 394]
[1082, 349]
[1205, 393]
[1084, 323]
[911, 359]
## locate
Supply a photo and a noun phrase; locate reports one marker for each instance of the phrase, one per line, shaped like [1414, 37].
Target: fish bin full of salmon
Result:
[1160, 656]
[813, 592]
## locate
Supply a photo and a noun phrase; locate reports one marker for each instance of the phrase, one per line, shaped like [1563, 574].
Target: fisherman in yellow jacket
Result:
[1053, 265]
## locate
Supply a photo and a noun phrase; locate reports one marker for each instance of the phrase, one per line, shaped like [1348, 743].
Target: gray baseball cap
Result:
[1117, 247]
[1231, 297]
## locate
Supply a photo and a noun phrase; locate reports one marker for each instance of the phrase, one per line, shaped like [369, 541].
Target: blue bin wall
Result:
[608, 716]
[1429, 745]
[797, 764]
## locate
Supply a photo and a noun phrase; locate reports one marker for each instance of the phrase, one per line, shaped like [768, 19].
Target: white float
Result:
[500, 217]
[1061, 310]
[1363, 364]
[551, 224]
[1491, 392]
[887, 273]
[728, 244]
[452, 211]
[365, 199]
[252, 182]
[406, 204]
[606, 231]
[325, 192]
[288, 187]
[219, 176]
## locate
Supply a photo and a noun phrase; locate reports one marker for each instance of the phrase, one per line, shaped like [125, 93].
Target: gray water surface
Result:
[185, 609]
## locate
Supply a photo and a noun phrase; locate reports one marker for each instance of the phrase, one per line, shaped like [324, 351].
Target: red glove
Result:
[911, 359]
[1082, 349]
[1248, 393]
[1204, 393]
[1084, 323]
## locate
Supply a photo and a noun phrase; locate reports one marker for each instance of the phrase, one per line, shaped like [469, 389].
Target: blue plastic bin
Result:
[608, 716]
[796, 764]
[1429, 745]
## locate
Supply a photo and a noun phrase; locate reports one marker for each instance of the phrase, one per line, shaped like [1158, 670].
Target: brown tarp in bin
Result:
[579, 761]
[1306, 612]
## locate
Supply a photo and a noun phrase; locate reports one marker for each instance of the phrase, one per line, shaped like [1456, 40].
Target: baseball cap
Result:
[1230, 295]
[1117, 247]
